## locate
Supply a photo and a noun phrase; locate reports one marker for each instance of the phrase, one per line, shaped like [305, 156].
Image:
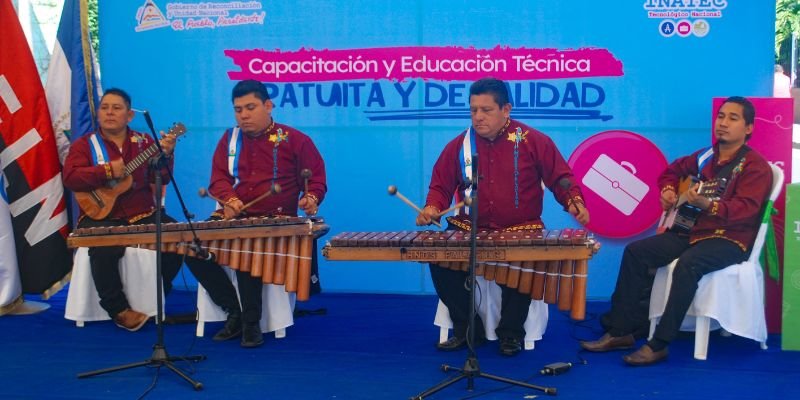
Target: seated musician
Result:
[514, 160]
[721, 236]
[249, 160]
[94, 161]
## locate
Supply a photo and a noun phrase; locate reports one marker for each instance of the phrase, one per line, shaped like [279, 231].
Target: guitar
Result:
[682, 216]
[98, 203]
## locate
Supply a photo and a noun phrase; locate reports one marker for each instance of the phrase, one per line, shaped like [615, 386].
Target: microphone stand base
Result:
[160, 358]
[470, 371]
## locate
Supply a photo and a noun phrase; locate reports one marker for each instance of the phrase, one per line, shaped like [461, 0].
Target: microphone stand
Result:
[471, 369]
[160, 357]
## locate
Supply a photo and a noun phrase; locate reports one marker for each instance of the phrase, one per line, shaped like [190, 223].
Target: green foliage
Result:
[787, 20]
[93, 26]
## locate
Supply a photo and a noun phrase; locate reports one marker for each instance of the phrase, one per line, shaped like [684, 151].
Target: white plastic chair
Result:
[489, 311]
[277, 311]
[731, 298]
[137, 272]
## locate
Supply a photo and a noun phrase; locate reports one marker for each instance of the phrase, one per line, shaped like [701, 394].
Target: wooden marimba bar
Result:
[549, 265]
[277, 250]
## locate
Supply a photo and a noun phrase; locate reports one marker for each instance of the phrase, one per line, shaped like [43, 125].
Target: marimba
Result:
[549, 265]
[278, 250]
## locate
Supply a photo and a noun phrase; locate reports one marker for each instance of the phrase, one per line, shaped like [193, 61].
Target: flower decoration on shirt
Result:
[279, 137]
[518, 136]
[738, 168]
[138, 138]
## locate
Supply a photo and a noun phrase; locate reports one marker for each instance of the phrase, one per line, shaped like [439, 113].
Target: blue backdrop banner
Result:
[382, 86]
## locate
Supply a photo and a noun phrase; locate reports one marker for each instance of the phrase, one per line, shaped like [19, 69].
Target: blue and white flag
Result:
[73, 79]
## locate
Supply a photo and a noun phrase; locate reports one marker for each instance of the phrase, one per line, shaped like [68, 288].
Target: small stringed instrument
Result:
[98, 203]
[682, 216]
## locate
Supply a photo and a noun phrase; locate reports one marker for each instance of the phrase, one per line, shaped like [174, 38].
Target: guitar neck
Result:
[137, 162]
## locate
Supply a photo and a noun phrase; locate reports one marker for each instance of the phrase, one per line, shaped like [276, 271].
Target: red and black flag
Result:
[30, 167]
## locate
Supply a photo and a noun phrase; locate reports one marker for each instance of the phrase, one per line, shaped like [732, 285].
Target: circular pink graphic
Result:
[684, 28]
[618, 173]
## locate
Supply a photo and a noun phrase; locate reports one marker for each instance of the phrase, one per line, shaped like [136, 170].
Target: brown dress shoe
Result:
[609, 343]
[131, 320]
[645, 356]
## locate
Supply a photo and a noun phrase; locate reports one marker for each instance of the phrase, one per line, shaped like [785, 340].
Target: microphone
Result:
[475, 173]
[147, 119]
[202, 253]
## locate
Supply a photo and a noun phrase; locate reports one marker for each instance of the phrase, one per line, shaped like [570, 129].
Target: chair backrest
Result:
[777, 186]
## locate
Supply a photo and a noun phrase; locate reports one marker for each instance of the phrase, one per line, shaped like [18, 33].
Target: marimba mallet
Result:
[456, 206]
[276, 188]
[394, 192]
[306, 174]
[467, 202]
[202, 192]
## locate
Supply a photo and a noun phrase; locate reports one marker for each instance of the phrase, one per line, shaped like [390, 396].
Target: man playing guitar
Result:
[722, 235]
[98, 159]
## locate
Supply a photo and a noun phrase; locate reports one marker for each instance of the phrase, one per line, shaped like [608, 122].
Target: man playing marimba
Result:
[514, 161]
[95, 160]
[251, 159]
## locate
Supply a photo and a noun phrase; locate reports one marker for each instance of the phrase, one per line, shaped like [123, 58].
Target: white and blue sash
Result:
[465, 160]
[98, 147]
[234, 148]
[702, 160]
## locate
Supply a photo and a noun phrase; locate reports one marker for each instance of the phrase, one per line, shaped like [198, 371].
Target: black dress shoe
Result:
[185, 318]
[251, 335]
[510, 347]
[458, 343]
[452, 344]
[232, 328]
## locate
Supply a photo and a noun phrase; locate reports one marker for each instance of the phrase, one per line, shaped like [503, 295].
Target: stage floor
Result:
[366, 346]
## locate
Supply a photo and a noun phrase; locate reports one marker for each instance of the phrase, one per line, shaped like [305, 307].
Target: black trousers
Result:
[642, 257]
[105, 266]
[222, 292]
[451, 288]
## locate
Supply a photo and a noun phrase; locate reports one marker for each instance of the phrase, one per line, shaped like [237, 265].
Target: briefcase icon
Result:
[615, 184]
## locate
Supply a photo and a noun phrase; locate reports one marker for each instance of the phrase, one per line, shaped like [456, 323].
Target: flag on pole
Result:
[73, 81]
[10, 287]
[31, 170]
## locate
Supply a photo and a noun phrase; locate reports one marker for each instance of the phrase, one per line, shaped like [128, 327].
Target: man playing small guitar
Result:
[99, 158]
[681, 215]
[721, 236]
